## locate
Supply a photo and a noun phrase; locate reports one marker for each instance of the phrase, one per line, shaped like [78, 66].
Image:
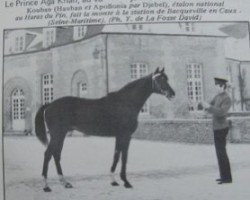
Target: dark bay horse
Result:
[113, 115]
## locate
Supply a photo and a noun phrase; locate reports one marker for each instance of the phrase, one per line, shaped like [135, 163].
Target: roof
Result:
[237, 49]
[94, 30]
[200, 29]
[237, 45]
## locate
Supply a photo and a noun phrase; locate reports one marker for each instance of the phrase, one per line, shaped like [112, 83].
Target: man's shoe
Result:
[225, 181]
[219, 179]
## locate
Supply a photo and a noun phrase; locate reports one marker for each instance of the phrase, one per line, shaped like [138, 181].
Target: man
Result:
[219, 107]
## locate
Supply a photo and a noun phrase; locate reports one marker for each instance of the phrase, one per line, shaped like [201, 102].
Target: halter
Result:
[156, 86]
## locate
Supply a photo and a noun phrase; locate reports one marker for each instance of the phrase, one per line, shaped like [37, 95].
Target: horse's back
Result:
[71, 104]
[66, 111]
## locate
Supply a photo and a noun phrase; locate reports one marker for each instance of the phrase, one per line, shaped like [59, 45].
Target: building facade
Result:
[100, 60]
[239, 72]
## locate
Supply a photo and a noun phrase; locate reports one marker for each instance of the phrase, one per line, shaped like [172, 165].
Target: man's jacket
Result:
[220, 105]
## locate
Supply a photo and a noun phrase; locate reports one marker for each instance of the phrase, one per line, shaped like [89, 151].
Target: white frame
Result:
[137, 72]
[194, 80]
[18, 109]
[47, 88]
[79, 32]
[49, 37]
[82, 88]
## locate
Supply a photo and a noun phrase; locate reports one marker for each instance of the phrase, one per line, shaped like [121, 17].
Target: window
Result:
[82, 89]
[79, 32]
[49, 37]
[194, 85]
[139, 70]
[47, 87]
[137, 27]
[19, 43]
[18, 111]
[79, 84]
[187, 26]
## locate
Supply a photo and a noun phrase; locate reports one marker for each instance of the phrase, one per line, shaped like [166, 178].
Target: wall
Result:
[173, 53]
[234, 67]
[190, 131]
[69, 59]
[26, 71]
[19, 72]
[245, 71]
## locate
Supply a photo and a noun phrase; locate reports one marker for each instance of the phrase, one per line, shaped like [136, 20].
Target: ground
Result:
[157, 171]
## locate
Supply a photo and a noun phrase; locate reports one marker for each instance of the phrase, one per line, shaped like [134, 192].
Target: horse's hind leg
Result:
[47, 157]
[115, 161]
[57, 149]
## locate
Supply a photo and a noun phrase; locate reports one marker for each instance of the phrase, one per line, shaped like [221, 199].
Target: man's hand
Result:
[205, 105]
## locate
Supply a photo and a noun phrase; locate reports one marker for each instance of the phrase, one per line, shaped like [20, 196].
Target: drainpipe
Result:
[241, 85]
[106, 63]
[249, 33]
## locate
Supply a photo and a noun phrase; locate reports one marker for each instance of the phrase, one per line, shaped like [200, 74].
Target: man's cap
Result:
[220, 81]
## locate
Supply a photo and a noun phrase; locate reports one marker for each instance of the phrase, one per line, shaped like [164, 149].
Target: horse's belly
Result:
[97, 129]
[101, 125]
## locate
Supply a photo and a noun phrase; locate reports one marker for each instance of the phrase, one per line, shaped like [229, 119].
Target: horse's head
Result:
[160, 84]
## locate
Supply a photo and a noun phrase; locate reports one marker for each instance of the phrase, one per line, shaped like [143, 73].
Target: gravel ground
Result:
[158, 171]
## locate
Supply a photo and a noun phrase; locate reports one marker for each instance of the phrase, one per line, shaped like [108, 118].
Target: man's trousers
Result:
[220, 147]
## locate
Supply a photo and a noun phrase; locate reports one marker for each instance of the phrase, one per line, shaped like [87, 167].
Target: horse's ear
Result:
[162, 69]
[157, 70]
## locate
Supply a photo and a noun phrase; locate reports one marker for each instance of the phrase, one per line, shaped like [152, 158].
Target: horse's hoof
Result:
[114, 183]
[128, 185]
[47, 189]
[68, 185]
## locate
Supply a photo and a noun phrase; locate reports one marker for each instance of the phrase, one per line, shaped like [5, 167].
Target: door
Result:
[18, 110]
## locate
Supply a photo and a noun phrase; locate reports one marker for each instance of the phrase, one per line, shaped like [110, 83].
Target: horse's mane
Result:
[128, 86]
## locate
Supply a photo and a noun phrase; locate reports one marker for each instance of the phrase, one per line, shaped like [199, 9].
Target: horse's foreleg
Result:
[47, 157]
[112, 171]
[123, 175]
[62, 180]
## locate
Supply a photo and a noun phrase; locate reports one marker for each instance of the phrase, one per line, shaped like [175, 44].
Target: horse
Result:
[113, 115]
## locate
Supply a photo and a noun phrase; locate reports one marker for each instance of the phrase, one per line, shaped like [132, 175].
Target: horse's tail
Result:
[40, 128]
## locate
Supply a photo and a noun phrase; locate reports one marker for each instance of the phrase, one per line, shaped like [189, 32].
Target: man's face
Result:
[219, 88]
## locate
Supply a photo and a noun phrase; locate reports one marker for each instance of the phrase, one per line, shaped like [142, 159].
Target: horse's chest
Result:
[123, 123]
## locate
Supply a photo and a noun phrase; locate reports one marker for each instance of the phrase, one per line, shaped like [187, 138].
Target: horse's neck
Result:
[138, 93]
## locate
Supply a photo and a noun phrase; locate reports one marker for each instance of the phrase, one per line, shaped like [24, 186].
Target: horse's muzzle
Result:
[170, 96]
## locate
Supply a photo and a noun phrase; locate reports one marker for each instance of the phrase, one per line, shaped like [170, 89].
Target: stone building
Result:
[239, 71]
[104, 58]
[238, 63]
